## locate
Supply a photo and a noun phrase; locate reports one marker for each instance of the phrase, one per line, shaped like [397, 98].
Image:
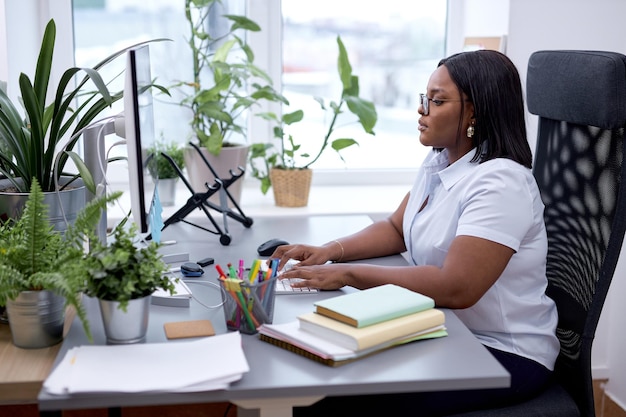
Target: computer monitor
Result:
[139, 130]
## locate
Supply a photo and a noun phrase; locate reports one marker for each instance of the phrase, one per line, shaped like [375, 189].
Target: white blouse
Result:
[497, 200]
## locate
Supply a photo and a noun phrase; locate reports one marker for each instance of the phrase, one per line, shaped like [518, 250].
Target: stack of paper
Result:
[181, 297]
[200, 365]
[358, 324]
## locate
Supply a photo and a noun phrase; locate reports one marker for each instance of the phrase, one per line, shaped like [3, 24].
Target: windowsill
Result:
[323, 200]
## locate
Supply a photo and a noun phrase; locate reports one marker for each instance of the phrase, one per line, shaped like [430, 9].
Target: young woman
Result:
[472, 227]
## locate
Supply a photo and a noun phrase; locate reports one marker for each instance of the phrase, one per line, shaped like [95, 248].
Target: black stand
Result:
[201, 201]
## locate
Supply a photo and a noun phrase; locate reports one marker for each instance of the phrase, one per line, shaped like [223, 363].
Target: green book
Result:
[374, 305]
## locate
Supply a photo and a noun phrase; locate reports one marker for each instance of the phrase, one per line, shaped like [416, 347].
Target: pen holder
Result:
[246, 305]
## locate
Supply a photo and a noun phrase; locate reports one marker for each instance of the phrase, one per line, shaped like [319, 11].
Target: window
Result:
[393, 53]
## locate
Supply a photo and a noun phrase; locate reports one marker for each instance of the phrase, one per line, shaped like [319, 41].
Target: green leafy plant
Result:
[34, 256]
[226, 82]
[122, 271]
[31, 146]
[265, 156]
[159, 166]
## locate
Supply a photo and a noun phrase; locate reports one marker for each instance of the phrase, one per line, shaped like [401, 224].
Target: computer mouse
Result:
[267, 248]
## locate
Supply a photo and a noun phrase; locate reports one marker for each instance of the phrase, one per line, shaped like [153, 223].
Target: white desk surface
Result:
[457, 361]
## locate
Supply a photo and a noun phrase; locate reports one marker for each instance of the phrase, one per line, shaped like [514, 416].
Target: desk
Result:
[279, 379]
[22, 371]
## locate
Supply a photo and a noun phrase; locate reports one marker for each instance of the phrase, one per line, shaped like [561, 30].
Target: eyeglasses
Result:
[424, 101]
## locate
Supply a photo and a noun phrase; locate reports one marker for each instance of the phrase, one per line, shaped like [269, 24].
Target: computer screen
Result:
[139, 134]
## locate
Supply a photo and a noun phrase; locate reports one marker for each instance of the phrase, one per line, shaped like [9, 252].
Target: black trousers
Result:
[528, 378]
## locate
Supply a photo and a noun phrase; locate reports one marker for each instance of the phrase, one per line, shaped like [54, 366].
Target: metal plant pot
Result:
[167, 191]
[71, 201]
[36, 319]
[125, 327]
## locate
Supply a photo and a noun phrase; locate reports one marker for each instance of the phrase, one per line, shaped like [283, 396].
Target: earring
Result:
[470, 131]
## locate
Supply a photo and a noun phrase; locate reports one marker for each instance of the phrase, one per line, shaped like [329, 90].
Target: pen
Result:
[240, 272]
[220, 271]
[254, 270]
[231, 271]
[236, 317]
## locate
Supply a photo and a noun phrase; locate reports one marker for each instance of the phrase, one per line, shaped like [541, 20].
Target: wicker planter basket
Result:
[291, 187]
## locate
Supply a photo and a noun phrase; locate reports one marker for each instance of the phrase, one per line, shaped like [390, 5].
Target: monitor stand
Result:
[95, 160]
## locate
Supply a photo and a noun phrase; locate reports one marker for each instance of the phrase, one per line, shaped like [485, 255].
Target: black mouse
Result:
[267, 248]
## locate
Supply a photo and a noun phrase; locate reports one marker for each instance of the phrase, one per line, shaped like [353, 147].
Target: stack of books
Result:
[354, 325]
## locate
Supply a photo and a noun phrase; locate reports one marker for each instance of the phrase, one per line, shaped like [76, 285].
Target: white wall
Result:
[22, 24]
[579, 24]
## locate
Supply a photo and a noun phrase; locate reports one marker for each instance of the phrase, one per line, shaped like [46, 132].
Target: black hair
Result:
[491, 82]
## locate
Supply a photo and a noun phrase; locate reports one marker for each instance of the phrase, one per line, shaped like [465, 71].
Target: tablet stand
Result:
[201, 201]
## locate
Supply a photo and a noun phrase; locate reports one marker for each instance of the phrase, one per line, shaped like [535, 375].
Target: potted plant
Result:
[161, 168]
[42, 269]
[32, 145]
[226, 85]
[122, 276]
[288, 168]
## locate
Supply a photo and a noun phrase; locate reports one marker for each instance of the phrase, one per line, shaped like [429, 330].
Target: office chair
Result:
[580, 98]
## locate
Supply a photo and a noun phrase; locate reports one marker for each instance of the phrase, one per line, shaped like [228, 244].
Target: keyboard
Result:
[283, 286]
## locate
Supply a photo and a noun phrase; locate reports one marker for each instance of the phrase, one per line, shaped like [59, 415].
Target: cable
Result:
[210, 284]
[119, 205]
[58, 156]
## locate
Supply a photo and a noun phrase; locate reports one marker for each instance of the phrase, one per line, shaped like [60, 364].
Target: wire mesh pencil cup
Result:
[248, 305]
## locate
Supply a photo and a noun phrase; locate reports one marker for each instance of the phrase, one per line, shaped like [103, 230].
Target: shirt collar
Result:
[450, 175]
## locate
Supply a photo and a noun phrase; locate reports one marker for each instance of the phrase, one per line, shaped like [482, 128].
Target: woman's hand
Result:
[306, 254]
[326, 277]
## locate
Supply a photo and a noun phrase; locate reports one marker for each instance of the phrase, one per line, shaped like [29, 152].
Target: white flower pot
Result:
[228, 160]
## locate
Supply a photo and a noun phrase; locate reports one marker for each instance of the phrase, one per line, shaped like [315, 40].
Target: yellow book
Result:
[355, 338]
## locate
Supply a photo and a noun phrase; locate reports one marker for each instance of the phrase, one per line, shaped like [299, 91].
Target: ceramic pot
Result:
[228, 160]
[36, 319]
[124, 327]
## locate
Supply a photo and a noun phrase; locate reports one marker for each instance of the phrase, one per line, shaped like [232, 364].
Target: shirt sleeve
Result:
[498, 204]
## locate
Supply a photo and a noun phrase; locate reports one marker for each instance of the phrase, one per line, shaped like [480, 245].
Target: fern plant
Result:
[34, 256]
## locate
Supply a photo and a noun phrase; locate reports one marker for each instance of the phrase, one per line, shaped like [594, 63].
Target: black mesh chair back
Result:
[580, 98]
